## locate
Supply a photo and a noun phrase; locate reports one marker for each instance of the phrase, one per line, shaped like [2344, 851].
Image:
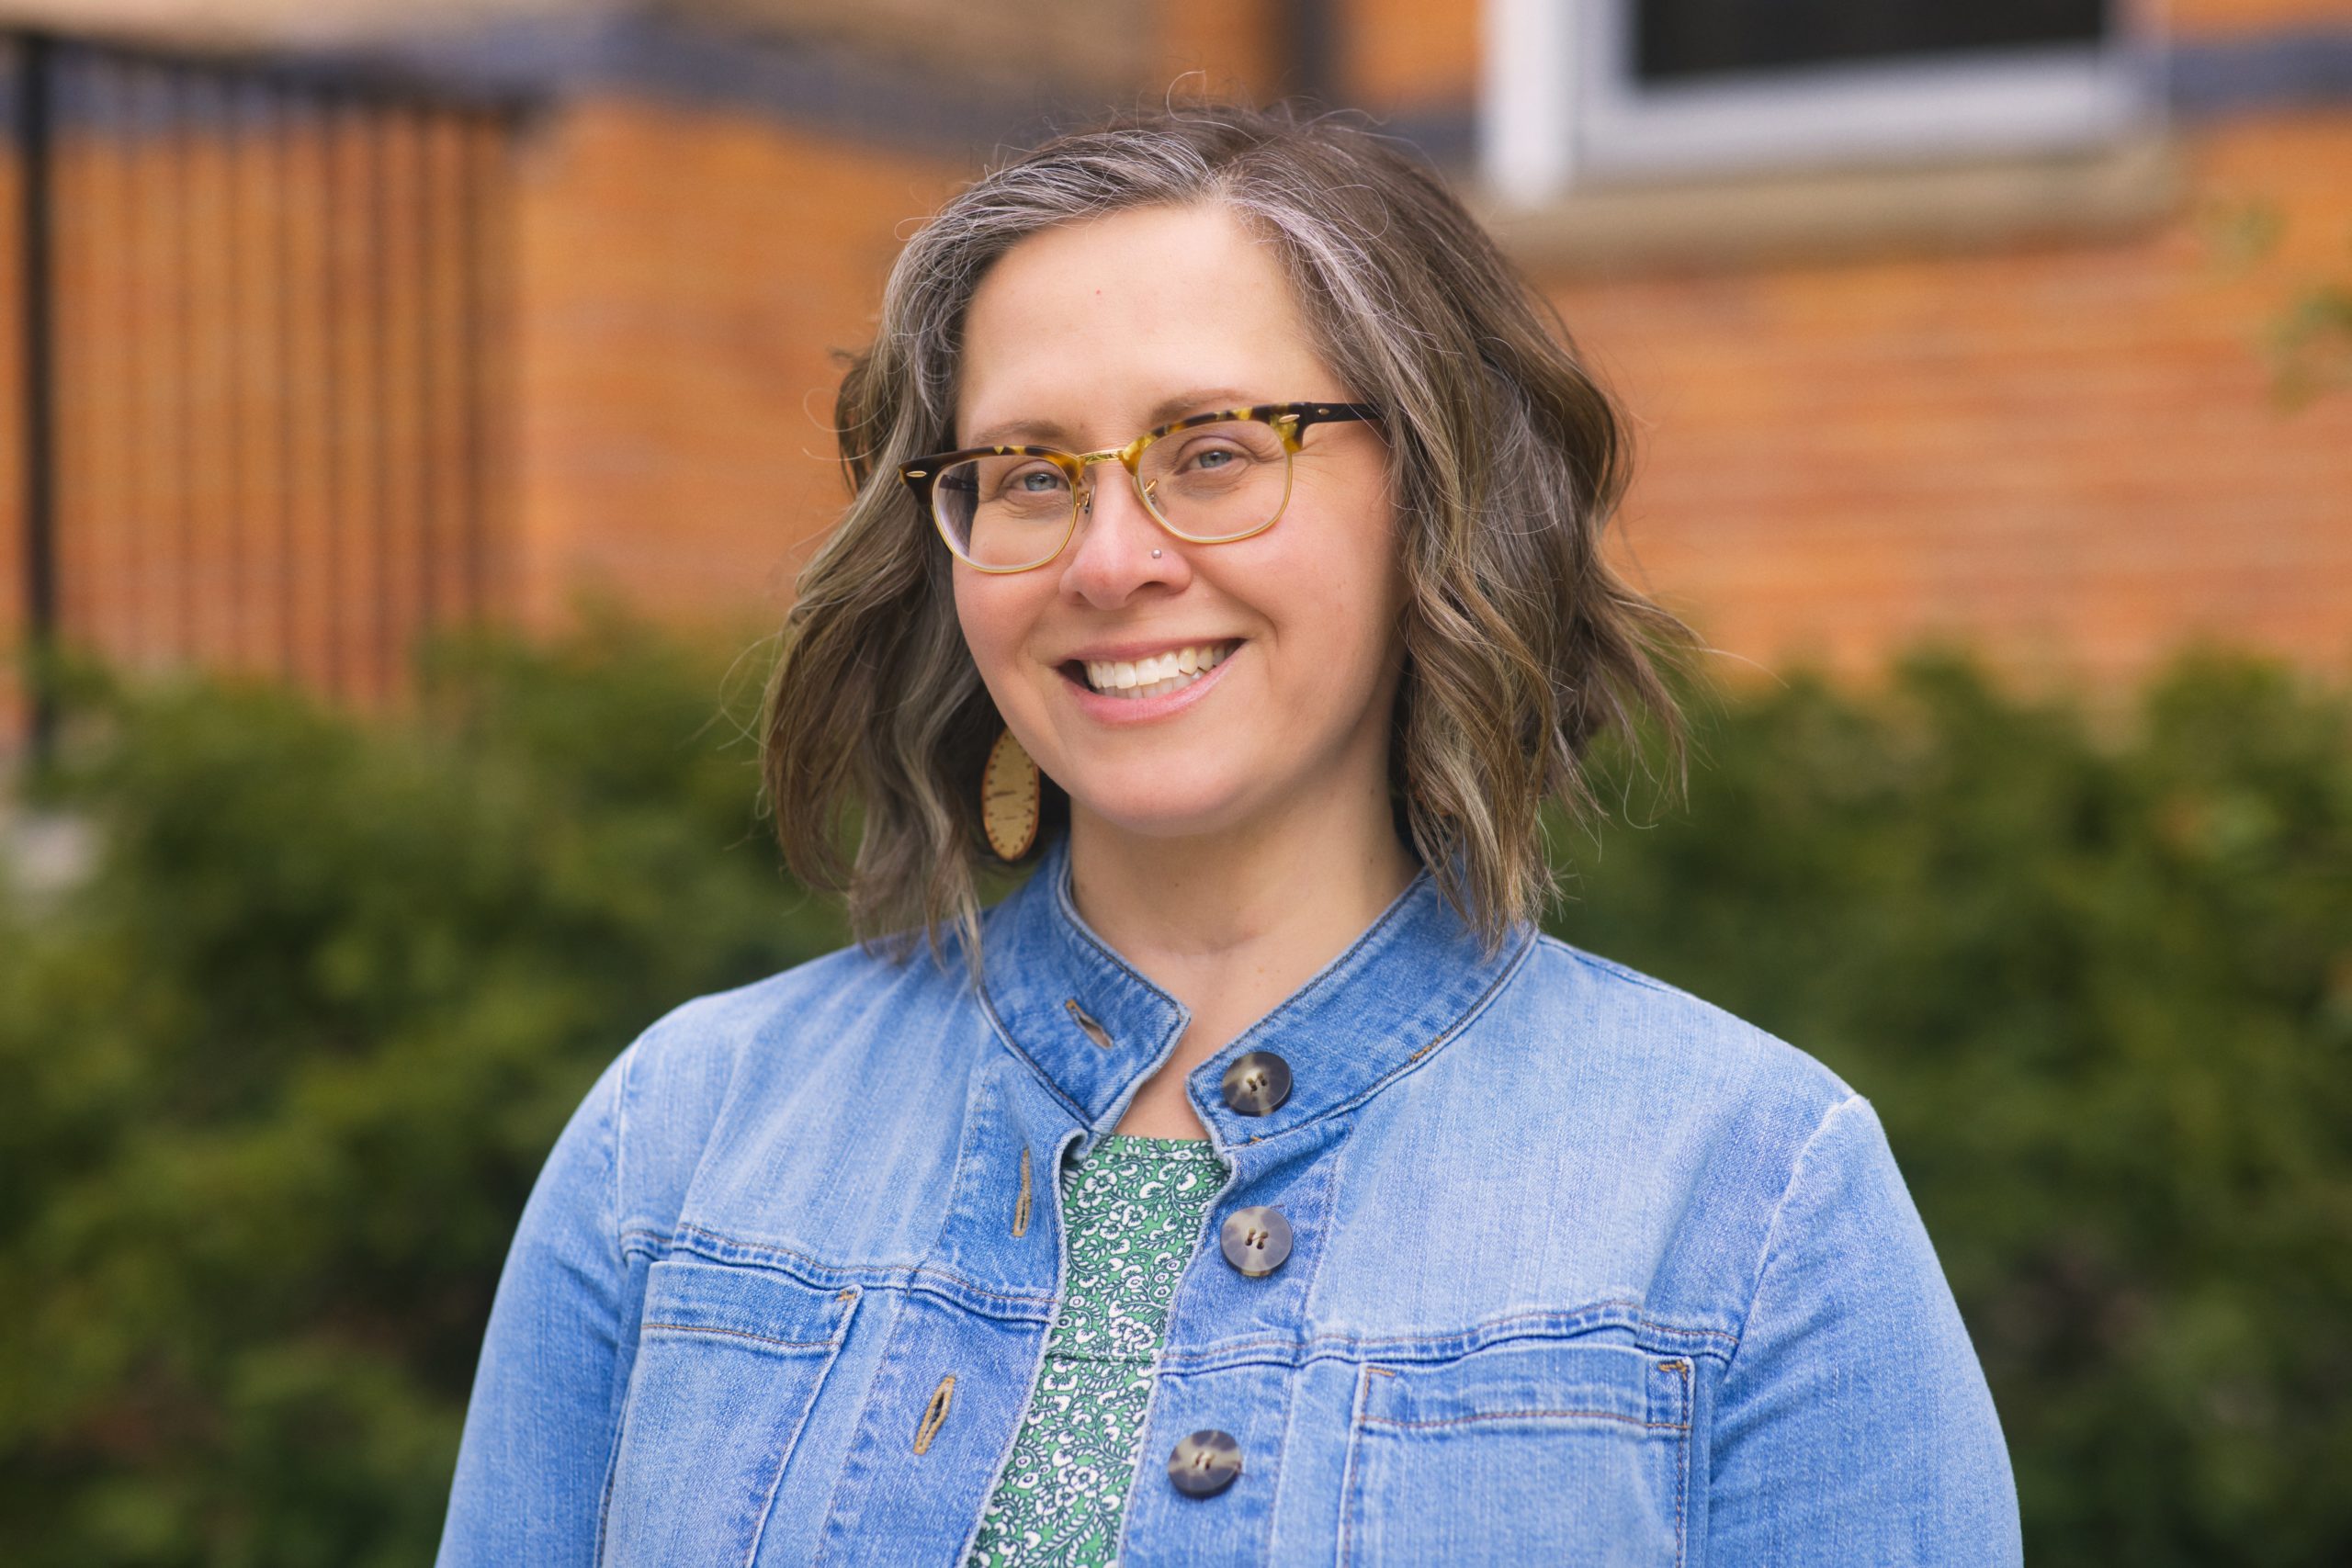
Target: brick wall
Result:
[686, 279]
[2069, 455]
[2063, 451]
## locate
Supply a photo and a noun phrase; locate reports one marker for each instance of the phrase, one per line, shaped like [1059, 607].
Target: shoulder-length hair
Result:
[1507, 459]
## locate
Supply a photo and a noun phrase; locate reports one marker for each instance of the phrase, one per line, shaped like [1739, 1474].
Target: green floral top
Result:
[1133, 1211]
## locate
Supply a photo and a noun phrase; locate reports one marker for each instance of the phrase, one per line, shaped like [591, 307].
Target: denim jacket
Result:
[1582, 1270]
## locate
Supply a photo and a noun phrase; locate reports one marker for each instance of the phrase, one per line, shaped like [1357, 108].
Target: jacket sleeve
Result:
[1854, 1425]
[539, 1431]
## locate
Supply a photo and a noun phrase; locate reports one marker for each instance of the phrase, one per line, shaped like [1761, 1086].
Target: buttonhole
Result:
[1021, 1204]
[935, 1413]
[1094, 1031]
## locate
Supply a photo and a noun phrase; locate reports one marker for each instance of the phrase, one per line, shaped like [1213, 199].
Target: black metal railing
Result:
[263, 350]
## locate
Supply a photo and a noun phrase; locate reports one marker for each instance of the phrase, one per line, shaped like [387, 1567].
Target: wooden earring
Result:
[1010, 793]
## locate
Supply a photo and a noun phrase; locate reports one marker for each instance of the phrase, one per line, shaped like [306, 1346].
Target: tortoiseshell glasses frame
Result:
[1289, 423]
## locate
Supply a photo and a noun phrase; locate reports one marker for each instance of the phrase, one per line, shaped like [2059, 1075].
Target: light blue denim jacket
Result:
[1584, 1270]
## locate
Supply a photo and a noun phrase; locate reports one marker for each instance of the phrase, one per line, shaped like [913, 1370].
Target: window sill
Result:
[2118, 192]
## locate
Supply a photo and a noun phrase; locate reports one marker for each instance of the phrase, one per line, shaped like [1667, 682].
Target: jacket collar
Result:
[1409, 984]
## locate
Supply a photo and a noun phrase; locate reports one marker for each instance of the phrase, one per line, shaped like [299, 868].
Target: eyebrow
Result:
[1051, 433]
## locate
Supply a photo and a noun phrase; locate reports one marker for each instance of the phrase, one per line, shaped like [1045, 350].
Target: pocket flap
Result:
[1534, 1380]
[765, 1310]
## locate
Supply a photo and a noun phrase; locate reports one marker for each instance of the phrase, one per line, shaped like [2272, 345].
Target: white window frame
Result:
[1560, 107]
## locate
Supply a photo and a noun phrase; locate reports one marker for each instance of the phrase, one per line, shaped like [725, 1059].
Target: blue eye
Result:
[1215, 455]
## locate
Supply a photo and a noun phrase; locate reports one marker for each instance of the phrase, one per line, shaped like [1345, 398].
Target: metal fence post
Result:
[34, 53]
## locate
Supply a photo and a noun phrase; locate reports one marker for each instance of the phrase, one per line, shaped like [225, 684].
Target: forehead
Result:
[1092, 324]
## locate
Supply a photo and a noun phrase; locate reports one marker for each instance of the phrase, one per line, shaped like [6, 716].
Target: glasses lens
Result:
[1217, 482]
[1003, 512]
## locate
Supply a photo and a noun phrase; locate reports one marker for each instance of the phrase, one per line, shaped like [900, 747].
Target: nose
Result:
[1113, 555]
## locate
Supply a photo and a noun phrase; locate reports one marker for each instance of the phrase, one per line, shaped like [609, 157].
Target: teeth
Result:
[1162, 673]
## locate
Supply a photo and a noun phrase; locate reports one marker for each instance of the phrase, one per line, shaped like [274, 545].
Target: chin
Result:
[1161, 812]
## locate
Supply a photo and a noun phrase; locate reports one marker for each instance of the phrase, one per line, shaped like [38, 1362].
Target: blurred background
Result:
[411, 418]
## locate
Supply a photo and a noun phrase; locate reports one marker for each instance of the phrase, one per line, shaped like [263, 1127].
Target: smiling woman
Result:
[1255, 1183]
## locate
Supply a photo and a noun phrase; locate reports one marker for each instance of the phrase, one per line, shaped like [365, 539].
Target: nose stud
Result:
[1155, 555]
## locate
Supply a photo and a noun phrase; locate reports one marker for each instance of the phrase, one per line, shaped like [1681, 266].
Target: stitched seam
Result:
[1075, 924]
[616, 1400]
[792, 1439]
[1505, 1329]
[1330, 974]
[906, 1276]
[1527, 1415]
[1682, 1479]
[862, 1399]
[988, 1009]
[1609, 967]
[1349, 1482]
[1333, 1173]
[1772, 1228]
[1044, 1342]
[620, 1136]
[1413, 1063]
[737, 1334]
[1310, 1355]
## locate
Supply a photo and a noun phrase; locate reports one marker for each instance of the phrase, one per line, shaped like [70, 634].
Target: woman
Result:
[1253, 1183]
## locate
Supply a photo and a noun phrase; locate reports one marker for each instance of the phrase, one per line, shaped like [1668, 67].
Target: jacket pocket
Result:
[1555, 1451]
[729, 1362]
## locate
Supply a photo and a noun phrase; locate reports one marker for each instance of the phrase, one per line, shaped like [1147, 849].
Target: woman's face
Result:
[1082, 338]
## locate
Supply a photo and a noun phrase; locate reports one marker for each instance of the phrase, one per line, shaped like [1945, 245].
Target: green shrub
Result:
[283, 1070]
[2102, 998]
[283, 1067]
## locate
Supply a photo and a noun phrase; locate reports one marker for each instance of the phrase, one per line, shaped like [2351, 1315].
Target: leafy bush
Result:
[2102, 998]
[283, 1067]
[283, 1070]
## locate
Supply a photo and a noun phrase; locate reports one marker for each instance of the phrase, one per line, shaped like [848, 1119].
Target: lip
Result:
[1113, 710]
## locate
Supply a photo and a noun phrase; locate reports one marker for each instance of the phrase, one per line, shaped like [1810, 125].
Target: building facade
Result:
[334, 329]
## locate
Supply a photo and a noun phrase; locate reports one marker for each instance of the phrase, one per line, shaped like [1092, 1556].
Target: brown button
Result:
[1256, 1241]
[1205, 1464]
[1256, 1083]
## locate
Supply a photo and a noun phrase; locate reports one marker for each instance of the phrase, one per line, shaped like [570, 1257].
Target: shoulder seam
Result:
[1772, 1227]
[617, 1121]
[616, 1197]
[1607, 965]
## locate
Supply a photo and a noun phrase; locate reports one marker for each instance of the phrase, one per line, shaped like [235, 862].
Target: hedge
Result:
[283, 1063]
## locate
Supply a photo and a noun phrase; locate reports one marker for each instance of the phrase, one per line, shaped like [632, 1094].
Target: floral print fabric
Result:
[1132, 1211]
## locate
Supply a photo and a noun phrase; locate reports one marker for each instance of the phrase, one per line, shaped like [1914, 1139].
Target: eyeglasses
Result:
[1208, 479]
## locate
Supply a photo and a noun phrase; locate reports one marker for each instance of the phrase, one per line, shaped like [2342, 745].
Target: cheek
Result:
[1345, 585]
[989, 619]
[999, 617]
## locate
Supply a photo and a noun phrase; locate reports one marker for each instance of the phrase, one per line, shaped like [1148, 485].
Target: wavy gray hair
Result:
[1521, 644]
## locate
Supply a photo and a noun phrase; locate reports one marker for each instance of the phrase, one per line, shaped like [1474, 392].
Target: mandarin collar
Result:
[1409, 983]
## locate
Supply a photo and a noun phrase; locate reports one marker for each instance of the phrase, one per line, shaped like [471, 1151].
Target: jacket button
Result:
[1256, 1083]
[1256, 1241]
[1205, 1464]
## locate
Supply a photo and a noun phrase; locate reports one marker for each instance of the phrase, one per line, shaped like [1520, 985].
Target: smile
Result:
[1158, 675]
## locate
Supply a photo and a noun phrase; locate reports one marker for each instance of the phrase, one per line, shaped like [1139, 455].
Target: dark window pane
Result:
[1680, 38]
